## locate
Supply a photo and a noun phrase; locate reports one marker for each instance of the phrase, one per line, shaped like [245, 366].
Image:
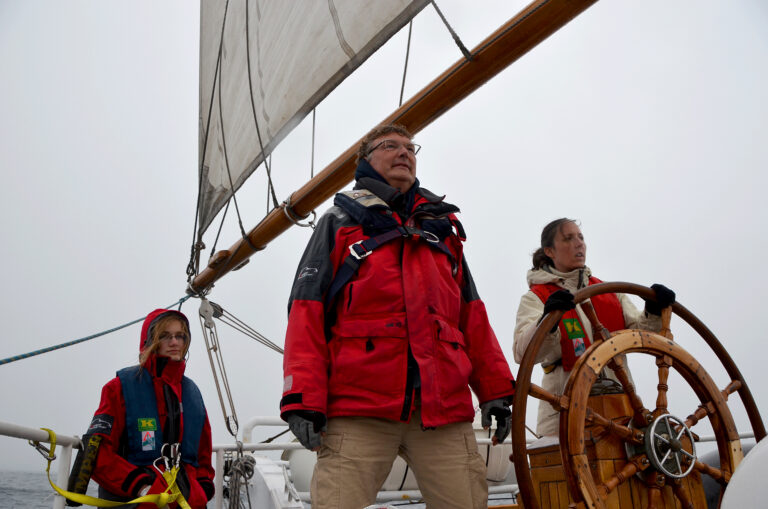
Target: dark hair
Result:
[380, 130]
[548, 235]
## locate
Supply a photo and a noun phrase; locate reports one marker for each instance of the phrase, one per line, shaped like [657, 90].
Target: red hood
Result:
[172, 370]
[151, 318]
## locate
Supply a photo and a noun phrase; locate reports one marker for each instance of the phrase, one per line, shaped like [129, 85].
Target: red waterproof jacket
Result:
[113, 471]
[350, 357]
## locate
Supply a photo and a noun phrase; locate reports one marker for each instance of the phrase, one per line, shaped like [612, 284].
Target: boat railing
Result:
[63, 452]
[66, 443]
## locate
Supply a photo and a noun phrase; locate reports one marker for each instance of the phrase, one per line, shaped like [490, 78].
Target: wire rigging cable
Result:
[213, 347]
[237, 324]
[81, 340]
[455, 36]
[405, 67]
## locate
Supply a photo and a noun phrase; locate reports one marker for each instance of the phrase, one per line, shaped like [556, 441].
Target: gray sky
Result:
[646, 121]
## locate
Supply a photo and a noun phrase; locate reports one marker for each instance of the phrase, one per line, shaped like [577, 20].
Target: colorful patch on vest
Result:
[147, 424]
[101, 423]
[578, 346]
[573, 328]
[147, 440]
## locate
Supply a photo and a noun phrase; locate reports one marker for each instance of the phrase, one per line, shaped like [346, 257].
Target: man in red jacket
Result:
[386, 335]
[140, 414]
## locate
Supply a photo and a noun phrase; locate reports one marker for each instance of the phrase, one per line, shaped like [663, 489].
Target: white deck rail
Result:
[65, 444]
[63, 452]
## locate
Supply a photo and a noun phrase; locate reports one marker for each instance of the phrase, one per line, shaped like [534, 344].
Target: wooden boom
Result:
[539, 20]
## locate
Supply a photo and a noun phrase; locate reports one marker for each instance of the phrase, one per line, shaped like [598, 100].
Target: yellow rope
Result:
[171, 494]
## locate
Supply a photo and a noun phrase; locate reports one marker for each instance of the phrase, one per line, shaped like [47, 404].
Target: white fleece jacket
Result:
[528, 314]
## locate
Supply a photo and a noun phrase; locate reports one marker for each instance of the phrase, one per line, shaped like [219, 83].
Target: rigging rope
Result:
[253, 105]
[237, 324]
[229, 173]
[197, 244]
[456, 39]
[407, 54]
[221, 225]
[312, 160]
[76, 341]
[237, 474]
[213, 348]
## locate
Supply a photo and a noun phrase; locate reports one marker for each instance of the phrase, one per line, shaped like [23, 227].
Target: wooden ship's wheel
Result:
[613, 451]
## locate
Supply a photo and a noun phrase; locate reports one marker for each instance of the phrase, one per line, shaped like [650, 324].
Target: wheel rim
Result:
[729, 450]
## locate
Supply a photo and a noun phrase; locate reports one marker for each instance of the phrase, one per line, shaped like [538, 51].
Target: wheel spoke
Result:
[682, 494]
[600, 332]
[687, 454]
[614, 428]
[677, 462]
[634, 465]
[664, 363]
[701, 412]
[715, 473]
[666, 457]
[642, 414]
[654, 481]
[708, 407]
[557, 401]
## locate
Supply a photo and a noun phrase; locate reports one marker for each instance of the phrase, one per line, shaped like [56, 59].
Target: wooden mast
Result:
[539, 20]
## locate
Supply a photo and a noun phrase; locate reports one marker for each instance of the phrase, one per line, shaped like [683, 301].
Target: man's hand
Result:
[664, 298]
[498, 408]
[307, 428]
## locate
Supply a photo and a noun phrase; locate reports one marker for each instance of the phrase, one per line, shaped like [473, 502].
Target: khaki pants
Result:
[357, 455]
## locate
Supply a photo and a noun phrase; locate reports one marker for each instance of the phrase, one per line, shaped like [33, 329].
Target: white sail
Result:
[267, 64]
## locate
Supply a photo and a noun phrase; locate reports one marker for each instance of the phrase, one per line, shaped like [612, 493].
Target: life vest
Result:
[142, 420]
[573, 340]
[365, 208]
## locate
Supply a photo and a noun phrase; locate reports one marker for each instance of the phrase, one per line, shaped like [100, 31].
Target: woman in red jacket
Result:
[140, 420]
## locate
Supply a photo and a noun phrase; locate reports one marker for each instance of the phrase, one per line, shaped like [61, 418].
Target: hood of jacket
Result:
[571, 281]
[154, 363]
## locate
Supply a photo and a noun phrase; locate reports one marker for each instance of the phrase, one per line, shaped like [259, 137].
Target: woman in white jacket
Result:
[559, 270]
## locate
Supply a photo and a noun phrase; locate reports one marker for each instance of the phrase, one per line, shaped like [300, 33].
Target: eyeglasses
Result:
[180, 336]
[390, 145]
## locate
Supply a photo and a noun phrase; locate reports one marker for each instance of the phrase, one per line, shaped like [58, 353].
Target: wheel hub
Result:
[669, 446]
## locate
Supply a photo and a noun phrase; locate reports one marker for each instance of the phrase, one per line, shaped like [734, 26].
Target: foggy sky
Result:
[646, 121]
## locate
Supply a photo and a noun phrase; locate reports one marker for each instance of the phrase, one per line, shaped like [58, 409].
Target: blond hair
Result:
[157, 329]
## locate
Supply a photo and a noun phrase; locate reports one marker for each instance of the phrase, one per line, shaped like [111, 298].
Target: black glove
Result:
[207, 486]
[561, 300]
[307, 427]
[664, 298]
[498, 408]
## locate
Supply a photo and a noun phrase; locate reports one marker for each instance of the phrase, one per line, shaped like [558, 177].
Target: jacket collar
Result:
[574, 279]
[368, 178]
[166, 369]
